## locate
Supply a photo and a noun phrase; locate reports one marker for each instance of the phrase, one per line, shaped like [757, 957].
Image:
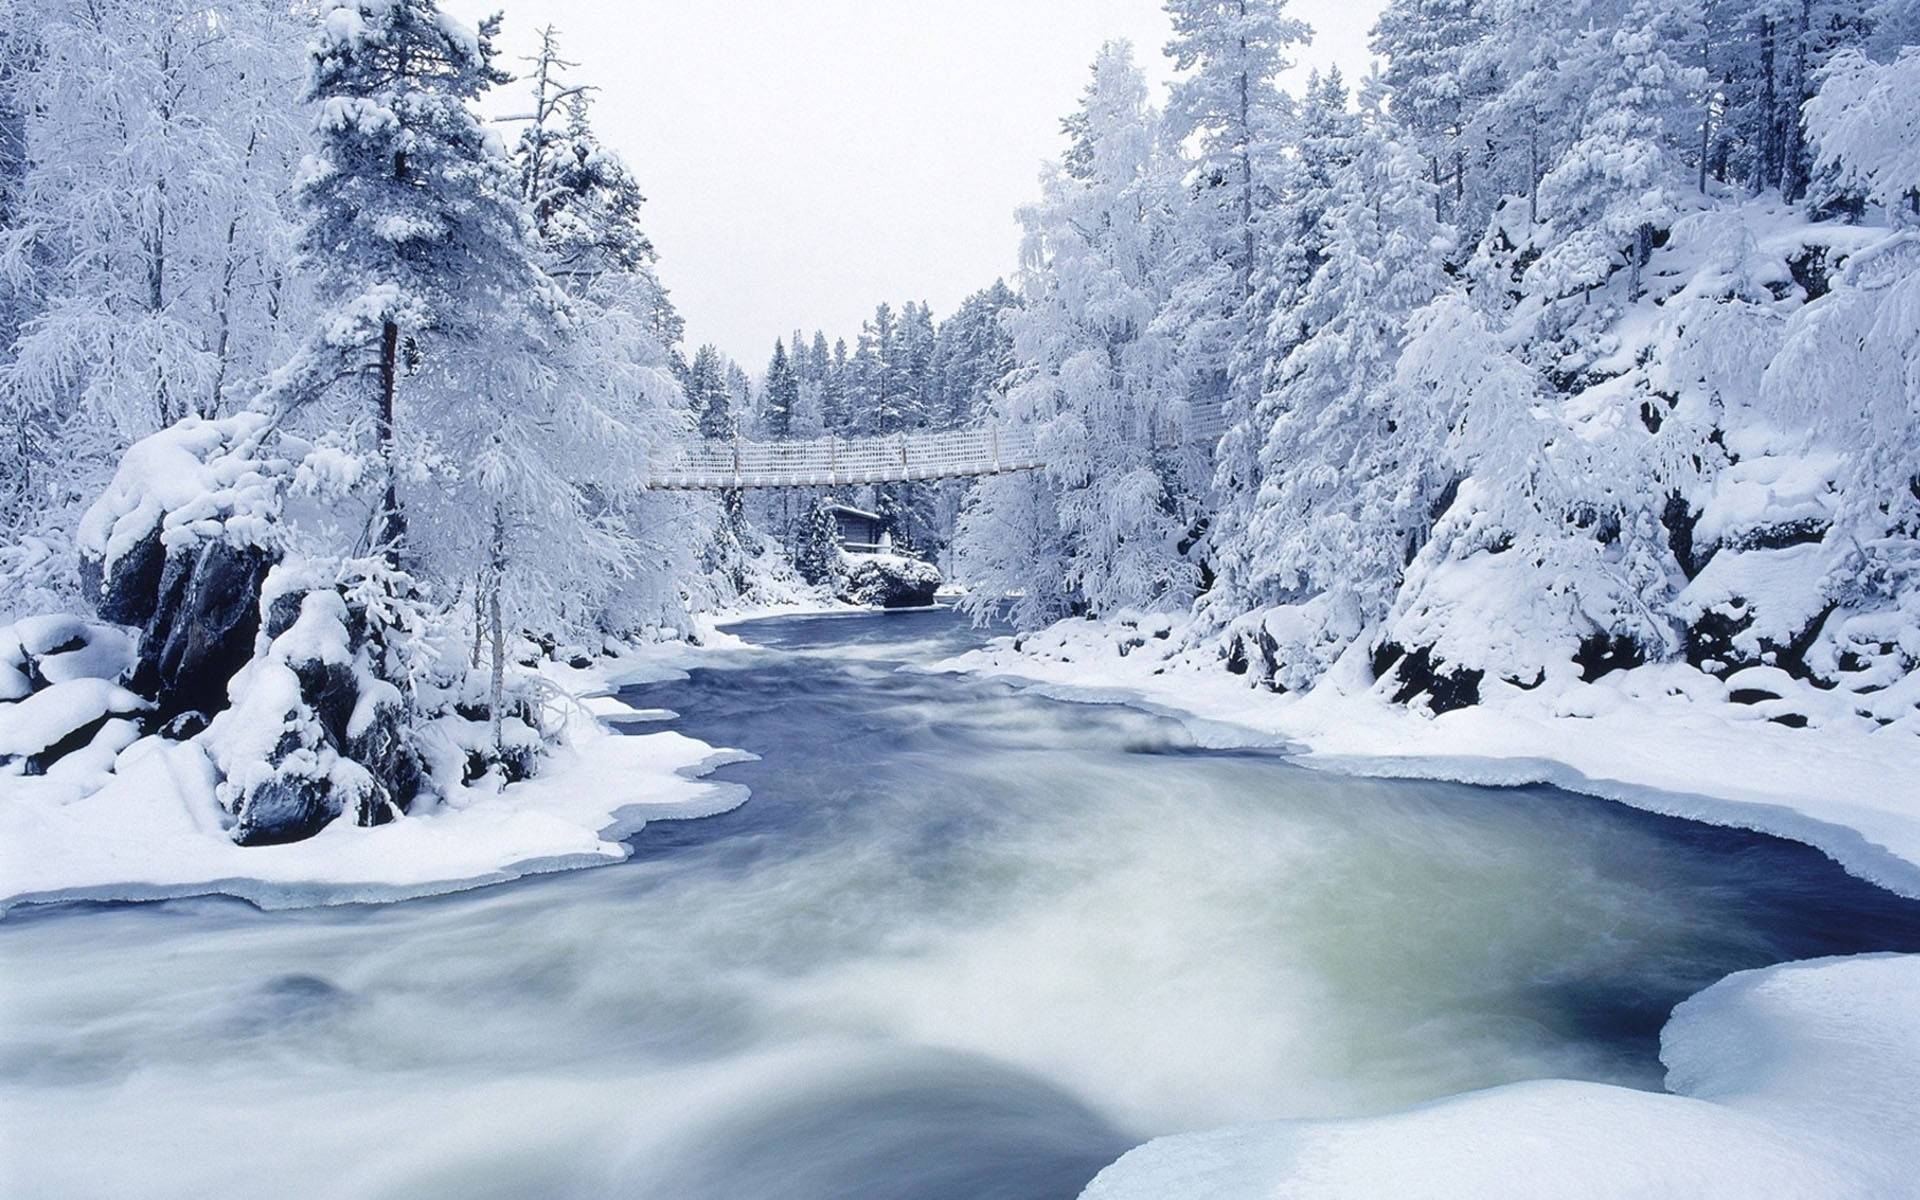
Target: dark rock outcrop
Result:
[286, 808]
[1419, 673]
[202, 627]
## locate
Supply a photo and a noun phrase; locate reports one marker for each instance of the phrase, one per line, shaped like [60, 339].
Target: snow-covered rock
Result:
[179, 544]
[59, 718]
[889, 581]
[60, 692]
[313, 732]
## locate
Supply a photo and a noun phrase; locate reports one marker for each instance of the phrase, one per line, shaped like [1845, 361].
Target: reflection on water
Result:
[961, 943]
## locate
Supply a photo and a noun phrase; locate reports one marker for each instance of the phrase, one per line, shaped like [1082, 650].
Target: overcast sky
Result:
[805, 159]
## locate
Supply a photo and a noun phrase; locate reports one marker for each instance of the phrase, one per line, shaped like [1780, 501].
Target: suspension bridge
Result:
[921, 455]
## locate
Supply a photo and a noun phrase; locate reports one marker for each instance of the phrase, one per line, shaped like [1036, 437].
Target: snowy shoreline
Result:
[1654, 738]
[155, 832]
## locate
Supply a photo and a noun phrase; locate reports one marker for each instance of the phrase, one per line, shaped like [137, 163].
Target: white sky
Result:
[806, 159]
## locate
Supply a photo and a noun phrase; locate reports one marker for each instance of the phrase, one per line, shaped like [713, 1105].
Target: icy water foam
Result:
[963, 942]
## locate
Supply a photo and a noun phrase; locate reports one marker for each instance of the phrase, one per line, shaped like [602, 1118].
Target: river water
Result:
[962, 942]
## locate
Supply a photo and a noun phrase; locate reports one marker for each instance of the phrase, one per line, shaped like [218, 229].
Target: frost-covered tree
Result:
[816, 554]
[1553, 538]
[1439, 80]
[1865, 140]
[1103, 526]
[973, 355]
[782, 394]
[1227, 108]
[585, 202]
[1230, 53]
[1620, 181]
[413, 235]
[144, 153]
[1345, 463]
[708, 396]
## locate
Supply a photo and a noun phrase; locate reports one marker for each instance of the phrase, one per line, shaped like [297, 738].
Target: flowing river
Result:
[962, 942]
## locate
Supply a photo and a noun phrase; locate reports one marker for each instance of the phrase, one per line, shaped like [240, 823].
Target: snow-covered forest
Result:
[1579, 336]
[1429, 696]
[327, 390]
[1576, 337]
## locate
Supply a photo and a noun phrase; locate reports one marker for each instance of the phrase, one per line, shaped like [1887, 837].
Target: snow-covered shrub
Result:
[315, 729]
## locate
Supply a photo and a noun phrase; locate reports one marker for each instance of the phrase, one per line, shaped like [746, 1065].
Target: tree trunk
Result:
[1706, 107]
[1769, 172]
[387, 525]
[1533, 173]
[479, 619]
[496, 572]
[498, 692]
[1793, 176]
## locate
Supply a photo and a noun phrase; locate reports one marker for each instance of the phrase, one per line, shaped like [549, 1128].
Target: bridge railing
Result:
[826, 461]
[890, 458]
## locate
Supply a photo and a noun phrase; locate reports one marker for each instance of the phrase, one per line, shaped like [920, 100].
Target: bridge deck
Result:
[893, 458]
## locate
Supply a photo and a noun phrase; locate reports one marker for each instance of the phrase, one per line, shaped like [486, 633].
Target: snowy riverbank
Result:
[155, 830]
[1662, 738]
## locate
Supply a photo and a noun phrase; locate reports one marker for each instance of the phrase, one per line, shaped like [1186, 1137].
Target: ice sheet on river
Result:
[1791, 1081]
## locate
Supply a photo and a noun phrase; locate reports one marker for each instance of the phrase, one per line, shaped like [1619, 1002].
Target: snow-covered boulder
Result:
[889, 581]
[1290, 646]
[178, 544]
[50, 723]
[60, 690]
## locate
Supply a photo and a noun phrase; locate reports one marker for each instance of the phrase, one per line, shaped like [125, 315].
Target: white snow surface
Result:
[47, 716]
[153, 829]
[1791, 1081]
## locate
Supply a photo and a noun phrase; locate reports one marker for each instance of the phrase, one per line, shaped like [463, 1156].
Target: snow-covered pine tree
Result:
[414, 232]
[872, 375]
[973, 355]
[585, 202]
[1439, 79]
[1622, 180]
[781, 393]
[1346, 465]
[708, 396]
[816, 553]
[1227, 105]
[1861, 149]
[1102, 527]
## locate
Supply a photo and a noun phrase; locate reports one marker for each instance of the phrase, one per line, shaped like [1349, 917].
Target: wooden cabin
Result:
[860, 531]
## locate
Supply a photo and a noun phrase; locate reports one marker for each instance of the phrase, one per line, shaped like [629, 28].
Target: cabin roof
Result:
[847, 510]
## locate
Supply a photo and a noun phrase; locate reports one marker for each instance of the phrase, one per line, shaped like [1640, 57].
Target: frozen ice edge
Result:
[1852, 850]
